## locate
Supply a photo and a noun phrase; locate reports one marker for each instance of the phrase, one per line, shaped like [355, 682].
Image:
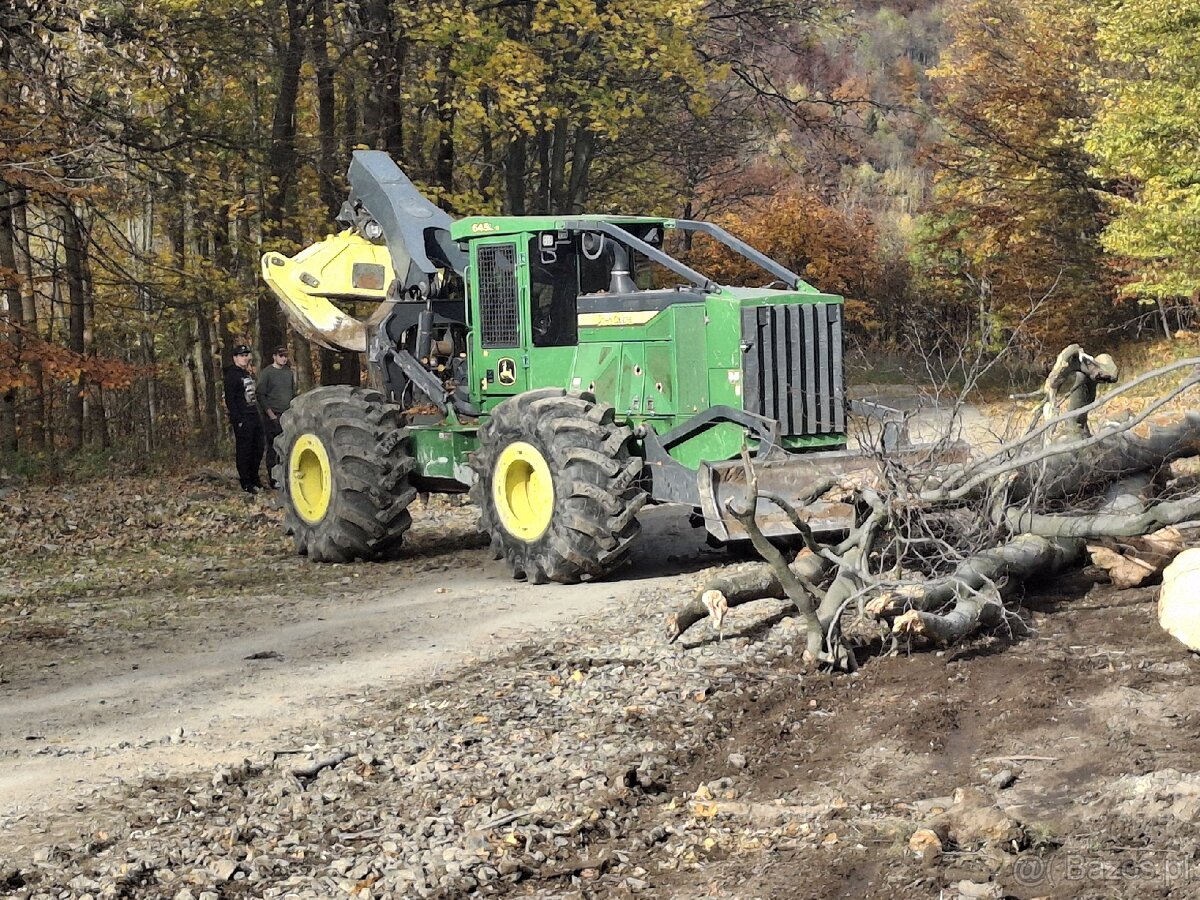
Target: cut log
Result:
[1133, 561]
[978, 609]
[1179, 599]
[755, 583]
[1007, 567]
[1109, 459]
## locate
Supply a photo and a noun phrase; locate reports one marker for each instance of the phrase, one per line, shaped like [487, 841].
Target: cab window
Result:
[553, 292]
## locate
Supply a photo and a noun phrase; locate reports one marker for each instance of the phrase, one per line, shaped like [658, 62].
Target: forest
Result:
[975, 177]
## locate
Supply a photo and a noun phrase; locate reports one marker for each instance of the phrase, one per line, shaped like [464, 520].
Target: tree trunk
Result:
[11, 316]
[73, 254]
[581, 163]
[331, 195]
[143, 240]
[558, 166]
[444, 160]
[1092, 467]
[281, 164]
[97, 417]
[340, 368]
[487, 147]
[191, 405]
[206, 389]
[150, 408]
[302, 362]
[34, 418]
[326, 111]
[384, 109]
[542, 204]
[515, 165]
[351, 111]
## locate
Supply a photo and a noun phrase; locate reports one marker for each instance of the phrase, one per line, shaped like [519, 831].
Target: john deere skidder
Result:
[566, 370]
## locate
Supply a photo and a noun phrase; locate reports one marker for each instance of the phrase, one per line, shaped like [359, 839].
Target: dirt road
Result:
[77, 714]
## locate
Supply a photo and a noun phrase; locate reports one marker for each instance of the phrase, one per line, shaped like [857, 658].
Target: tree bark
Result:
[34, 418]
[73, 255]
[281, 163]
[444, 160]
[12, 315]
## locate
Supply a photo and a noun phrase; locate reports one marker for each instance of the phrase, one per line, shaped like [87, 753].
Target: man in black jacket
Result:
[241, 402]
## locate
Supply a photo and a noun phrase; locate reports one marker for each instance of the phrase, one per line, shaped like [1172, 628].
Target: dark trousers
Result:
[273, 428]
[248, 437]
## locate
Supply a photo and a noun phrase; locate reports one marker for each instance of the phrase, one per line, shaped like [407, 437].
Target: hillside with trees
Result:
[974, 176]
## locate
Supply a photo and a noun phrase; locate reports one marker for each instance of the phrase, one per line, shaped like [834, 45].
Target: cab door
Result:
[498, 325]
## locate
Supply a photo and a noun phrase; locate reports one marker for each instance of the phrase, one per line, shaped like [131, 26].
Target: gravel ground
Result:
[591, 759]
[526, 767]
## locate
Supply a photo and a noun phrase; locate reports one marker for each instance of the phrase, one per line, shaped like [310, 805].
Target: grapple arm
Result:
[396, 246]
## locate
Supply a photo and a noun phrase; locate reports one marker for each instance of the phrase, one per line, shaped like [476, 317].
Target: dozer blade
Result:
[794, 479]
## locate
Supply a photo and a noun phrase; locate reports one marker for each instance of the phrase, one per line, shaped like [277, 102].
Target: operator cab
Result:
[574, 274]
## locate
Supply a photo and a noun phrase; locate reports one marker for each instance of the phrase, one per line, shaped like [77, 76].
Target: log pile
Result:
[942, 553]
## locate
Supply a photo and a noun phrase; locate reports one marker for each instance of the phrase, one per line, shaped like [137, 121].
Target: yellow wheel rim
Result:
[523, 491]
[311, 481]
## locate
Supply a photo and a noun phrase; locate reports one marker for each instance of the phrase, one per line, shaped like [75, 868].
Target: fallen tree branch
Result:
[1007, 567]
[756, 583]
[1122, 453]
[1074, 464]
[327, 762]
[1120, 524]
[801, 595]
[972, 610]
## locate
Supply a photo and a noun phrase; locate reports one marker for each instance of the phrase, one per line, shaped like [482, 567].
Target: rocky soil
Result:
[585, 757]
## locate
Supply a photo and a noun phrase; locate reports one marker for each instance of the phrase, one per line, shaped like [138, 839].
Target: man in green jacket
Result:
[276, 388]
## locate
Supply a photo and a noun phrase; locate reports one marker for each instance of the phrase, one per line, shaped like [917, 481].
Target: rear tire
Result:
[556, 487]
[343, 475]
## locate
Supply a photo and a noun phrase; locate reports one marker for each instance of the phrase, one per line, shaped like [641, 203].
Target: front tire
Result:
[556, 487]
[343, 475]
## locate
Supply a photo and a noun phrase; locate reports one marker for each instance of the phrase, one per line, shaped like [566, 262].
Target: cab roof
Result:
[487, 226]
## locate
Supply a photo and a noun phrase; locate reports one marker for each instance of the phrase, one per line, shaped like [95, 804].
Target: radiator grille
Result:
[498, 295]
[792, 366]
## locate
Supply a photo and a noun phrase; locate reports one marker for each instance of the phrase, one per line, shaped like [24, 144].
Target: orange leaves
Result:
[833, 250]
[19, 348]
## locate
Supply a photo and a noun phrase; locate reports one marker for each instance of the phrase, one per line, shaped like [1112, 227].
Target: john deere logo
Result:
[506, 370]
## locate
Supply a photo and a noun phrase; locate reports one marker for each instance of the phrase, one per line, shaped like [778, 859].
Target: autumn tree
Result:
[1145, 139]
[1014, 227]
